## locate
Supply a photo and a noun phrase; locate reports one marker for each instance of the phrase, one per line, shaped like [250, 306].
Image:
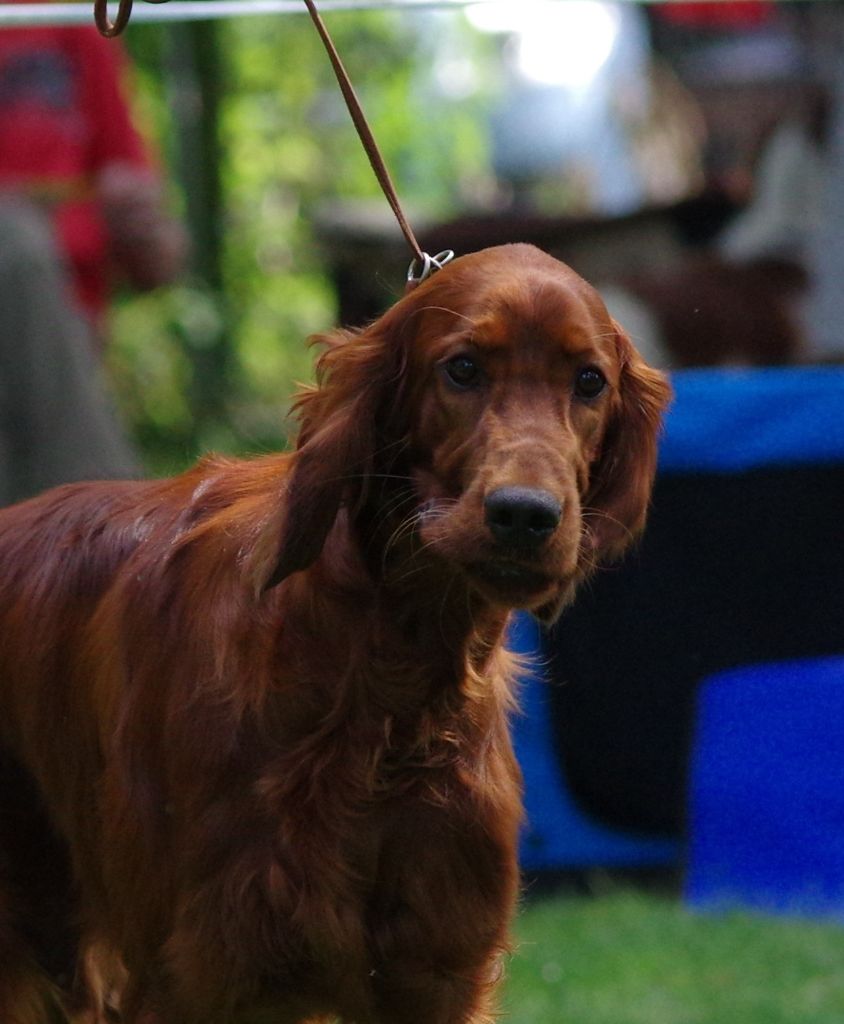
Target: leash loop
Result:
[107, 27]
[417, 274]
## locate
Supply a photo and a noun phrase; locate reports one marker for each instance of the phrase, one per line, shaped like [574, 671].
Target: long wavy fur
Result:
[266, 723]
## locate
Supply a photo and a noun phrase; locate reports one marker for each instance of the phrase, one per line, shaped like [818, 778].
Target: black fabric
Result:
[734, 569]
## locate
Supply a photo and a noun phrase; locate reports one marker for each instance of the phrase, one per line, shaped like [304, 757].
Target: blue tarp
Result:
[722, 421]
[767, 790]
[558, 835]
[730, 420]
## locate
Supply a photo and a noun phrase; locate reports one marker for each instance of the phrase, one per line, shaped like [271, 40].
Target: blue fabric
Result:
[767, 790]
[723, 421]
[729, 420]
[557, 834]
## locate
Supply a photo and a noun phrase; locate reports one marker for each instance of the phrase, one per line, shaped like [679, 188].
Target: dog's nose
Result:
[522, 516]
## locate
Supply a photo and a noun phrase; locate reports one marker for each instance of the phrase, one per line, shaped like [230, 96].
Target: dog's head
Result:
[500, 416]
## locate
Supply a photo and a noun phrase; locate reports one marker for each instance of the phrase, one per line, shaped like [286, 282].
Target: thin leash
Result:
[423, 265]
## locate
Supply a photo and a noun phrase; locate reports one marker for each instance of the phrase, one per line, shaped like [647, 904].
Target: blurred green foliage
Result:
[253, 130]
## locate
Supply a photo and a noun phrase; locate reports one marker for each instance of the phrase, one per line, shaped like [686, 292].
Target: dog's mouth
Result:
[511, 583]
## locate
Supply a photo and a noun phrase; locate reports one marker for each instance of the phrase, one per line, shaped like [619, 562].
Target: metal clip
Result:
[429, 265]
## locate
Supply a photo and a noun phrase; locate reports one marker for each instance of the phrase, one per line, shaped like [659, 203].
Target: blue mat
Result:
[767, 790]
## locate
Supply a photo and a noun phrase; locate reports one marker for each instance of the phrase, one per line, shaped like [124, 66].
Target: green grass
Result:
[629, 957]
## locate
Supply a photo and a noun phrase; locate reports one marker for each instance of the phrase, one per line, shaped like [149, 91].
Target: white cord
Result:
[200, 10]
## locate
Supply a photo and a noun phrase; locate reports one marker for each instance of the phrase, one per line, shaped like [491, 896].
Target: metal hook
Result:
[430, 264]
[108, 28]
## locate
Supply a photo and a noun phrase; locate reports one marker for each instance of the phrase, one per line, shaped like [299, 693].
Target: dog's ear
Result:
[344, 421]
[620, 486]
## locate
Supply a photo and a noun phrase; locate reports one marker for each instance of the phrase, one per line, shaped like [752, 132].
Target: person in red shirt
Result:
[81, 206]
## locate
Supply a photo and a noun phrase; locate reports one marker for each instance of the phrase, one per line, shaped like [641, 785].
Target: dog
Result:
[260, 710]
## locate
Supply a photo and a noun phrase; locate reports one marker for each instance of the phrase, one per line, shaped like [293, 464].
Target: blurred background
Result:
[650, 145]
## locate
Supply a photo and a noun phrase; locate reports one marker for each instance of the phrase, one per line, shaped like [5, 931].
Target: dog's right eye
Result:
[462, 372]
[589, 383]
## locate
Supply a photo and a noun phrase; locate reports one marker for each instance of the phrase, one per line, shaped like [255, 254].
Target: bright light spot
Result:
[504, 16]
[559, 42]
[569, 47]
[456, 77]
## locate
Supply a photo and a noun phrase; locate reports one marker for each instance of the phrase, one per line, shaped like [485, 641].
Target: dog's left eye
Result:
[589, 383]
[462, 371]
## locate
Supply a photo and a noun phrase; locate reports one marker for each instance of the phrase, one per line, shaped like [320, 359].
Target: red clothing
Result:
[62, 119]
[716, 14]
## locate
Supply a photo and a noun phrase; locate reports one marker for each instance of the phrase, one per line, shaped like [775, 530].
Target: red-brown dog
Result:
[263, 706]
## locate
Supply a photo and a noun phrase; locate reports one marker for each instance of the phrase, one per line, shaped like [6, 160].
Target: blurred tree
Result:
[251, 123]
